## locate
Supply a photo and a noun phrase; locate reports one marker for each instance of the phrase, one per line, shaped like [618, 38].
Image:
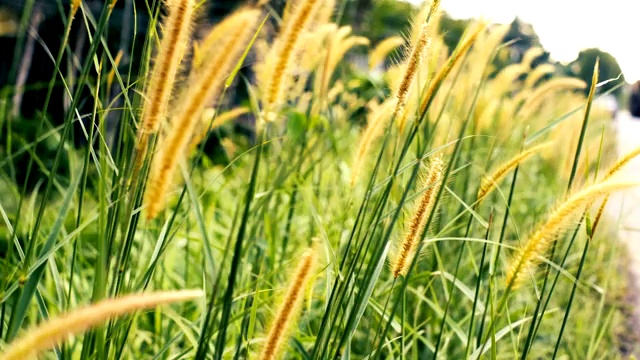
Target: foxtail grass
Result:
[286, 50]
[375, 128]
[622, 162]
[403, 256]
[531, 55]
[279, 330]
[175, 38]
[538, 73]
[556, 223]
[207, 87]
[382, 49]
[75, 5]
[54, 331]
[416, 54]
[326, 11]
[462, 48]
[490, 182]
[550, 87]
[218, 121]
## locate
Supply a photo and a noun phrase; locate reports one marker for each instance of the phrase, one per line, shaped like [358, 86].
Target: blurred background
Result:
[572, 34]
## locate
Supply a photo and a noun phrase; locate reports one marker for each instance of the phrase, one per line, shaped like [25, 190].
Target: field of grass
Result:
[437, 207]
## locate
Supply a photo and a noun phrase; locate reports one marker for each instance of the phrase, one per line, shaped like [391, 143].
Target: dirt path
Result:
[624, 210]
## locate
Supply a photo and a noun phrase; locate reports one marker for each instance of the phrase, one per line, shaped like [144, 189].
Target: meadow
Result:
[429, 206]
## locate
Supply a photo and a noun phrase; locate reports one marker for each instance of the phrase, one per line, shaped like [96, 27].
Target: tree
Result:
[582, 68]
[452, 30]
[387, 18]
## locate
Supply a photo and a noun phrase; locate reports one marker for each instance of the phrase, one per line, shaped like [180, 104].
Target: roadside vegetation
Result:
[426, 205]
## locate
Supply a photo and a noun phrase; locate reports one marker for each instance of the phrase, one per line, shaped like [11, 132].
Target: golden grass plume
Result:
[56, 330]
[325, 13]
[538, 243]
[278, 332]
[339, 43]
[208, 85]
[454, 59]
[531, 55]
[617, 166]
[218, 121]
[537, 73]
[490, 182]
[402, 257]
[75, 5]
[175, 38]
[413, 63]
[623, 161]
[286, 49]
[382, 49]
[550, 87]
[378, 118]
[421, 34]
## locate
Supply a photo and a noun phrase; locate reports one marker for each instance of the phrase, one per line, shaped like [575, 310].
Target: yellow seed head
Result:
[338, 47]
[530, 55]
[490, 182]
[218, 121]
[215, 35]
[537, 73]
[550, 87]
[206, 88]
[75, 5]
[622, 162]
[325, 13]
[375, 128]
[410, 71]
[539, 242]
[55, 331]
[402, 259]
[457, 55]
[175, 37]
[283, 321]
[614, 170]
[384, 47]
[288, 44]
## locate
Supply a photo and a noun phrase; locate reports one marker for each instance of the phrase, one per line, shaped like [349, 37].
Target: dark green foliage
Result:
[582, 68]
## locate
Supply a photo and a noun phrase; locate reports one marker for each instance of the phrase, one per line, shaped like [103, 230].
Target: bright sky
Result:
[567, 26]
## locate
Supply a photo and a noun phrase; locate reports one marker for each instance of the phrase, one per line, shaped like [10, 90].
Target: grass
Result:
[238, 231]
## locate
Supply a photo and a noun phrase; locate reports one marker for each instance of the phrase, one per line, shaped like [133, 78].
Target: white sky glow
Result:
[567, 26]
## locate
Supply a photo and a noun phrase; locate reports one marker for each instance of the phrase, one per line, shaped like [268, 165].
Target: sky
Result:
[567, 26]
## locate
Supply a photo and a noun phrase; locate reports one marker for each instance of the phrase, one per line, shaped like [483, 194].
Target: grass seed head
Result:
[413, 63]
[550, 87]
[384, 47]
[173, 45]
[454, 59]
[279, 330]
[540, 241]
[536, 74]
[622, 162]
[206, 87]
[55, 331]
[286, 49]
[490, 182]
[378, 119]
[75, 5]
[403, 257]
